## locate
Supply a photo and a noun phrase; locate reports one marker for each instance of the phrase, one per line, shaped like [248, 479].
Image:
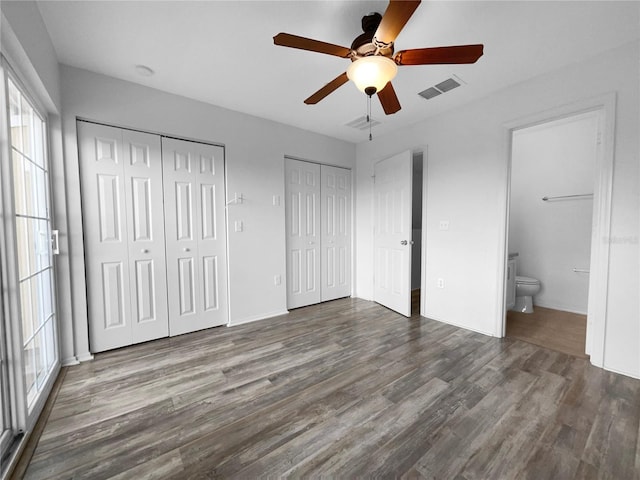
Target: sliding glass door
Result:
[28, 333]
[33, 241]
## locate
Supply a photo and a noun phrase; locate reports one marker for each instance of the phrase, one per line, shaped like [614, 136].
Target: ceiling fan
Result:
[374, 64]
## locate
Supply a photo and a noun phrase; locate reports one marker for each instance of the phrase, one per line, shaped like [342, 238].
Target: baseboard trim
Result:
[257, 318]
[85, 357]
[67, 362]
[559, 307]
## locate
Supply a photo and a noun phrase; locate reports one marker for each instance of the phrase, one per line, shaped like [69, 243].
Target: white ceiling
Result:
[223, 53]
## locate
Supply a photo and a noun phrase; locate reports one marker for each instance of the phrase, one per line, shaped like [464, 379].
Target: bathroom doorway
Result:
[550, 230]
[416, 231]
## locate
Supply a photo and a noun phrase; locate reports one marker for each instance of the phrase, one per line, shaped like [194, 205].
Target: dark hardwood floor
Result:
[344, 389]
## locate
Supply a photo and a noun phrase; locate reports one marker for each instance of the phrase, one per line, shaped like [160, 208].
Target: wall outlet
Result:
[276, 200]
[277, 280]
[441, 283]
[239, 226]
[444, 225]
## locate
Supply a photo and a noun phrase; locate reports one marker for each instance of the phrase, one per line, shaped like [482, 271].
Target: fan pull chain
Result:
[369, 116]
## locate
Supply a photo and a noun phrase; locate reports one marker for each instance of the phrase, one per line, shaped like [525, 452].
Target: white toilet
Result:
[526, 288]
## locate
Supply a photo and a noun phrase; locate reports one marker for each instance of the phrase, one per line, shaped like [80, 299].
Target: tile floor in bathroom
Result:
[561, 331]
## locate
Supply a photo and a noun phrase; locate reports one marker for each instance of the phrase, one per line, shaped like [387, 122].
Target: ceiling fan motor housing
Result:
[363, 45]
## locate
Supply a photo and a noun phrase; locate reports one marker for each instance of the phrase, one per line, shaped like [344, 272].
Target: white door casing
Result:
[392, 232]
[196, 235]
[124, 235]
[335, 217]
[302, 208]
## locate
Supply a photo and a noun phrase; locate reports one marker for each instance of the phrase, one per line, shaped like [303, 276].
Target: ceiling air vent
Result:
[361, 123]
[430, 93]
[442, 87]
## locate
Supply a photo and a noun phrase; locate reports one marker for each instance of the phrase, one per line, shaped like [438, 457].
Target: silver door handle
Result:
[55, 243]
[403, 242]
[185, 249]
[144, 250]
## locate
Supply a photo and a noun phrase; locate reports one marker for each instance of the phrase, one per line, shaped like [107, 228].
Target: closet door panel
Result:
[182, 246]
[302, 210]
[336, 232]
[105, 231]
[212, 241]
[145, 222]
[196, 235]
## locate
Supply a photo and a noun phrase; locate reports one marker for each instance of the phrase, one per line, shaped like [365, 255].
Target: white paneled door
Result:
[335, 217]
[124, 235]
[302, 209]
[392, 233]
[196, 235]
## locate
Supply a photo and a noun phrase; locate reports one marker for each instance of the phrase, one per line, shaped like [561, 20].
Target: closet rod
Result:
[582, 195]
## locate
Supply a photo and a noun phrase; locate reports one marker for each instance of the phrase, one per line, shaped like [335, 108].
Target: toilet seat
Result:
[526, 280]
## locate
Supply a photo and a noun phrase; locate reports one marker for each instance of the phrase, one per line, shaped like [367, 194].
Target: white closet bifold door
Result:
[121, 174]
[335, 217]
[196, 235]
[302, 209]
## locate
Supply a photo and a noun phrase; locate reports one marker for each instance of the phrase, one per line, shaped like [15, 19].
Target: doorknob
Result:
[185, 249]
[144, 250]
[311, 243]
[403, 242]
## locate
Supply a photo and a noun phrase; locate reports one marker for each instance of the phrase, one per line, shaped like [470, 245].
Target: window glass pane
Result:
[27, 128]
[39, 141]
[30, 370]
[41, 194]
[27, 310]
[50, 345]
[41, 358]
[42, 241]
[15, 117]
[41, 284]
[24, 237]
[18, 183]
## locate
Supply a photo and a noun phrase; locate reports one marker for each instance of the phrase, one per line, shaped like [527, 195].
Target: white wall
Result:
[254, 154]
[466, 184]
[554, 237]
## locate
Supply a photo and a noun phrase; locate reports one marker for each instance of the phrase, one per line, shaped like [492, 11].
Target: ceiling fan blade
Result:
[389, 99]
[394, 19]
[327, 89]
[303, 43]
[439, 55]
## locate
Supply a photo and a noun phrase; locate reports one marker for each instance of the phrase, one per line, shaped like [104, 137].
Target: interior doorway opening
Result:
[416, 231]
[551, 226]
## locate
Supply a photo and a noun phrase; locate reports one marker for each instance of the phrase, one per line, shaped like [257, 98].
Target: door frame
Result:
[603, 184]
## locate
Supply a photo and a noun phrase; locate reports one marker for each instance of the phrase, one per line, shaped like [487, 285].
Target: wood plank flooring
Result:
[562, 331]
[340, 390]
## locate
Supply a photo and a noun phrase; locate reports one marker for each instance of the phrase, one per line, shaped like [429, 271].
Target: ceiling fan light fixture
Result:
[372, 72]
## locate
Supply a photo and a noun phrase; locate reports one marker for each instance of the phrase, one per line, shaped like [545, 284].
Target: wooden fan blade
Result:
[293, 41]
[394, 19]
[389, 99]
[439, 55]
[327, 89]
